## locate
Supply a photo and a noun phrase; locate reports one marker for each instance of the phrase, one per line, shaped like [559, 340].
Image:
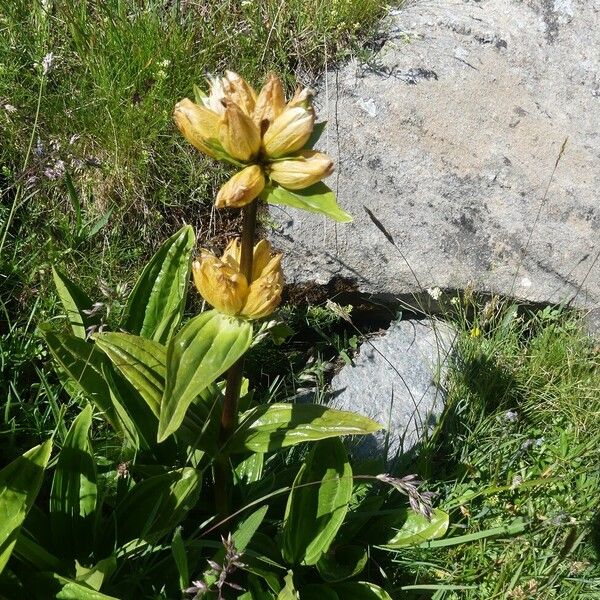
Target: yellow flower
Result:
[258, 130]
[242, 188]
[199, 125]
[223, 286]
[302, 170]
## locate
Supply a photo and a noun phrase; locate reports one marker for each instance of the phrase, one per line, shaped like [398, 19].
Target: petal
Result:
[238, 90]
[264, 296]
[242, 188]
[289, 132]
[199, 125]
[270, 102]
[301, 171]
[260, 259]
[221, 286]
[238, 134]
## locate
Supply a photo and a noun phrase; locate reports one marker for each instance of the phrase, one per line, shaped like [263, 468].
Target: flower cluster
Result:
[222, 284]
[259, 132]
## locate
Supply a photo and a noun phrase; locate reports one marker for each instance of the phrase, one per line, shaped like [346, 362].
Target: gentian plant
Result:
[198, 495]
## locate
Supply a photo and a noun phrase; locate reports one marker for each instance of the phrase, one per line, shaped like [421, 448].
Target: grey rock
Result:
[397, 380]
[450, 137]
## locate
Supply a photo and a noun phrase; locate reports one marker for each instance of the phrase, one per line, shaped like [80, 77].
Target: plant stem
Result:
[222, 473]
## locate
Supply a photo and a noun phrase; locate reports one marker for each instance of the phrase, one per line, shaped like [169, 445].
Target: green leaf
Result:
[20, 483]
[84, 364]
[416, 529]
[248, 527]
[288, 592]
[141, 361]
[94, 576]
[73, 494]
[250, 469]
[53, 585]
[155, 506]
[155, 305]
[202, 351]
[361, 590]
[343, 562]
[180, 558]
[74, 301]
[318, 503]
[270, 427]
[317, 198]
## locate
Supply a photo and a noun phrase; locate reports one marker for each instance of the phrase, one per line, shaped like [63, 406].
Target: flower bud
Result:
[220, 284]
[239, 91]
[289, 132]
[298, 172]
[238, 134]
[199, 125]
[270, 102]
[242, 188]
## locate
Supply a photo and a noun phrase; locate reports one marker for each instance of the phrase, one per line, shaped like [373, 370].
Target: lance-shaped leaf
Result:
[155, 305]
[202, 351]
[318, 503]
[63, 588]
[141, 361]
[75, 301]
[73, 494]
[155, 506]
[416, 529]
[317, 198]
[271, 427]
[84, 363]
[20, 483]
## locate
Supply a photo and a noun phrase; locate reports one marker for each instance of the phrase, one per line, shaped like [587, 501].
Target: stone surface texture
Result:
[450, 136]
[397, 380]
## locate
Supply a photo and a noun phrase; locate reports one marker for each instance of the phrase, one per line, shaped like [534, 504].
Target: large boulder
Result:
[397, 379]
[452, 137]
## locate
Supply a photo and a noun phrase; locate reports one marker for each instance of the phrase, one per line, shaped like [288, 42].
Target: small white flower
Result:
[47, 62]
[165, 64]
[435, 293]
[9, 108]
[455, 300]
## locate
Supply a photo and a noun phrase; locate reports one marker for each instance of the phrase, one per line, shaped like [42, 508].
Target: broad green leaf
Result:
[274, 426]
[20, 483]
[318, 503]
[179, 554]
[74, 301]
[53, 585]
[248, 527]
[129, 428]
[156, 505]
[141, 361]
[94, 576]
[342, 562]
[84, 364]
[155, 305]
[202, 351]
[73, 494]
[360, 590]
[416, 529]
[288, 592]
[317, 198]
[250, 469]
[34, 553]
